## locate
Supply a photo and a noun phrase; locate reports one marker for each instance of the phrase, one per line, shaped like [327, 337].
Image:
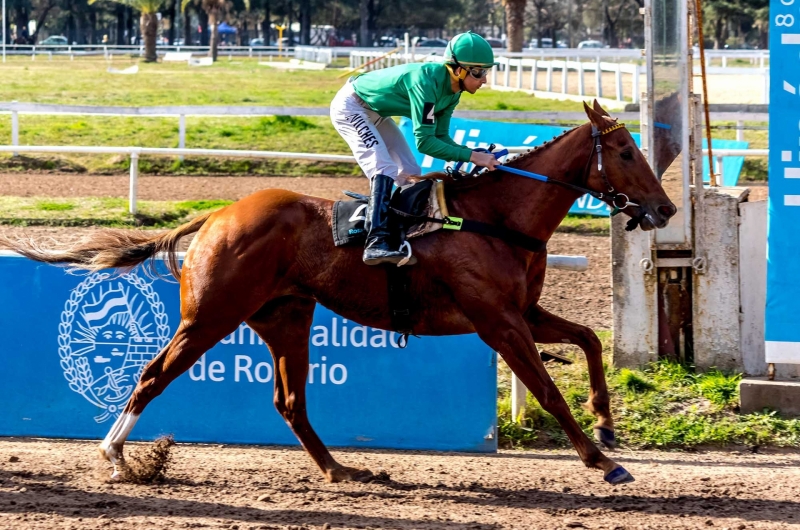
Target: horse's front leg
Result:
[508, 333]
[550, 329]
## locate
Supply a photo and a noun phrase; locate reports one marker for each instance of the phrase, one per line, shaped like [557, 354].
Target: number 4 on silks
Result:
[427, 113]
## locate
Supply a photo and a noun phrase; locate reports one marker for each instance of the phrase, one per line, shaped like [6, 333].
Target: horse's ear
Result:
[595, 117]
[600, 110]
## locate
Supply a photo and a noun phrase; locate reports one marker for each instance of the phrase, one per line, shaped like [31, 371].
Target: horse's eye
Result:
[626, 155]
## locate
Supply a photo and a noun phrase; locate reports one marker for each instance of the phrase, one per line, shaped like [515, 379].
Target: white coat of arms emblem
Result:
[111, 327]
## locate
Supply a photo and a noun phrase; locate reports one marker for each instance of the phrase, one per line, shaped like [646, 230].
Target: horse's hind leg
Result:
[285, 325]
[190, 342]
[550, 329]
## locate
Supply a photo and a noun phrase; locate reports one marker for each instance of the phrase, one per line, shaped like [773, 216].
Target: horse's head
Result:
[620, 171]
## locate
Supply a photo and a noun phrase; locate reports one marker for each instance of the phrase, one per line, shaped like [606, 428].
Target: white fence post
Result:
[493, 81]
[534, 74]
[519, 73]
[740, 130]
[718, 169]
[581, 86]
[549, 80]
[765, 99]
[134, 182]
[564, 76]
[598, 79]
[181, 133]
[618, 74]
[14, 126]
[507, 73]
[635, 83]
[518, 395]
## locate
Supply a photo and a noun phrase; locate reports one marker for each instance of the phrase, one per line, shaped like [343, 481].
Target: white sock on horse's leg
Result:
[112, 443]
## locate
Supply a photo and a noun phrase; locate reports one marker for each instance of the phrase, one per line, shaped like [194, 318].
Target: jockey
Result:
[426, 93]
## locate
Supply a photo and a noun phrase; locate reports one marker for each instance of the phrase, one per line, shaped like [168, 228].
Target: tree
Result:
[515, 24]
[214, 9]
[148, 23]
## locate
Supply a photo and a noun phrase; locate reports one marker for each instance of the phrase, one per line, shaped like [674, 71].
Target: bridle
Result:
[619, 201]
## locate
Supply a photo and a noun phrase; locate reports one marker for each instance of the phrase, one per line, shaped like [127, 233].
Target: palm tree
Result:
[148, 23]
[515, 17]
[214, 9]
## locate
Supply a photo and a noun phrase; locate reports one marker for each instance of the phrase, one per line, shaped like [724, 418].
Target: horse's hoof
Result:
[605, 436]
[343, 474]
[618, 475]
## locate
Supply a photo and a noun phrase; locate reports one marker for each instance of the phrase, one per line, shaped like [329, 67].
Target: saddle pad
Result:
[424, 198]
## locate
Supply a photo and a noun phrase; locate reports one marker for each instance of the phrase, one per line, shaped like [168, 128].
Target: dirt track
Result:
[60, 485]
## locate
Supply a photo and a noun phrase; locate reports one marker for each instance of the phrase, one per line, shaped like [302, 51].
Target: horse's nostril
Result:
[667, 210]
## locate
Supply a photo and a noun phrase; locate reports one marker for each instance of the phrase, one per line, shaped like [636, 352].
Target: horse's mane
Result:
[514, 162]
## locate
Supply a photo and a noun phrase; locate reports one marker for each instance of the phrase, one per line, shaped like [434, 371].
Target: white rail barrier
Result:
[533, 66]
[315, 54]
[16, 108]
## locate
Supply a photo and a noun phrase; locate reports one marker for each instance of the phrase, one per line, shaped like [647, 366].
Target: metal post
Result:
[182, 134]
[4, 30]
[134, 182]
[14, 126]
[518, 395]
[718, 169]
[740, 130]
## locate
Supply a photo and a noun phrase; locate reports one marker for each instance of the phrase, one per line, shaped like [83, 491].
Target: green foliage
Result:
[634, 382]
[720, 389]
[664, 406]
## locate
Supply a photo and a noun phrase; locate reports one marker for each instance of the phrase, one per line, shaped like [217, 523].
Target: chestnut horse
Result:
[269, 258]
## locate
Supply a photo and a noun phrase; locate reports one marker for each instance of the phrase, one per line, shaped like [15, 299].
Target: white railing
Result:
[108, 51]
[533, 66]
[181, 112]
[315, 54]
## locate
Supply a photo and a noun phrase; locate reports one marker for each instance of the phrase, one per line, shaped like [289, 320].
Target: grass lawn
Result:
[664, 406]
[239, 82]
[94, 211]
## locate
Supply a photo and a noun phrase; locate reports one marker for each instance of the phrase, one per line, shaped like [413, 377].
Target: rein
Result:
[618, 200]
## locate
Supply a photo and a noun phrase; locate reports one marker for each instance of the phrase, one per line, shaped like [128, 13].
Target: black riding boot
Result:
[377, 249]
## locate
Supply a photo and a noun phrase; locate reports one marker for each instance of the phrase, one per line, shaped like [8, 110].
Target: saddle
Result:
[414, 210]
[412, 207]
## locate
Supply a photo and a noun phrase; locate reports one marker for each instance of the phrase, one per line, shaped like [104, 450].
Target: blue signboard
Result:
[73, 346]
[782, 331]
[477, 133]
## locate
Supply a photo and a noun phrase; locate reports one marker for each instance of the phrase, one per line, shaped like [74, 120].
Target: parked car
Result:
[257, 42]
[386, 42]
[547, 42]
[495, 43]
[432, 43]
[54, 40]
[590, 44]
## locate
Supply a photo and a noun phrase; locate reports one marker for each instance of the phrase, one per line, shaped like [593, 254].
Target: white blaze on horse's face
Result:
[110, 447]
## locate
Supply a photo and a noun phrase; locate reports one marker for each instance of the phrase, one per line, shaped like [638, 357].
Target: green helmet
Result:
[469, 49]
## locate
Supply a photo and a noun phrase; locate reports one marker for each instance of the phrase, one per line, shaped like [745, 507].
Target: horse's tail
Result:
[110, 249]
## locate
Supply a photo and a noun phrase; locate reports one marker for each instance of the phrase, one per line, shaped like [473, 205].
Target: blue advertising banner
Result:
[782, 332]
[477, 133]
[73, 347]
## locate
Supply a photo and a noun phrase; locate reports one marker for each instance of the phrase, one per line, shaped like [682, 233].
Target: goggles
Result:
[478, 73]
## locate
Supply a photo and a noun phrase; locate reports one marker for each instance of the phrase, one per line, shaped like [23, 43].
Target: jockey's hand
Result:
[486, 160]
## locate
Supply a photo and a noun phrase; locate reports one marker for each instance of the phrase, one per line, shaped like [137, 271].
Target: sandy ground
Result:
[59, 484]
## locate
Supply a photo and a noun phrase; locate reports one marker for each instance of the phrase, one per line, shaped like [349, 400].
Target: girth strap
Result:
[512, 237]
